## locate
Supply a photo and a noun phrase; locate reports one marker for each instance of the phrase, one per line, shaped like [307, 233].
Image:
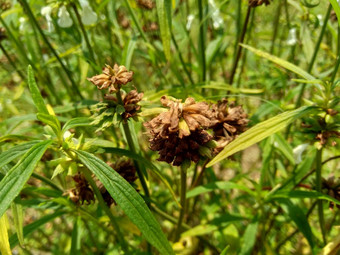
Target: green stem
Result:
[276, 26]
[132, 147]
[316, 49]
[183, 202]
[201, 44]
[46, 181]
[31, 16]
[338, 58]
[239, 48]
[181, 59]
[318, 160]
[103, 205]
[87, 41]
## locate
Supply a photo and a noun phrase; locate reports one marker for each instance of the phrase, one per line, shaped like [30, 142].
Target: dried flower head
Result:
[82, 192]
[5, 5]
[112, 78]
[255, 3]
[146, 4]
[332, 187]
[230, 121]
[178, 133]
[126, 169]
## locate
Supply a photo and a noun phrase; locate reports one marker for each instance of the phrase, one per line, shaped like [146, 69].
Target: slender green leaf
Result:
[51, 121]
[76, 122]
[16, 178]
[76, 237]
[5, 248]
[260, 132]
[128, 51]
[336, 8]
[249, 237]
[217, 185]
[280, 62]
[28, 229]
[129, 200]
[35, 92]
[296, 214]
[282, 145]
[304, 194]
[18, 217]
[146, 163]
[164, 19]
[14, 152]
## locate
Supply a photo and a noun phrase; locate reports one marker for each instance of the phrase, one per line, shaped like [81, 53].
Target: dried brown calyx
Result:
[130, 103]
[179, 133]
[146, 4]
[112, 78]
[332, 187]
[230, 121]
[82, 192]
[126, 169]
[255, 3]
[325, 136]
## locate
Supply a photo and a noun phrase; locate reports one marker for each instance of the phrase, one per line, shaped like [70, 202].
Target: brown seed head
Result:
[82, 192]
[145, 4]
[332, 187]
[112, 78]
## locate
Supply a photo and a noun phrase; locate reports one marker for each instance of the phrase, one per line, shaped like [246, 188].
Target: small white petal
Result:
[67, 134]
[292, 40]
[88, 17]
[46, 11]
[190, 19]
[64, 18]
[298, 150]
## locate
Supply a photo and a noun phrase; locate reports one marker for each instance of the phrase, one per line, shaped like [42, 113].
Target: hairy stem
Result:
[183, 201]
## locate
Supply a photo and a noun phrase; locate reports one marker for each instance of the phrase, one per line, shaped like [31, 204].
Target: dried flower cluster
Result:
[180, 133]
[112, 78]
[5, 5]
[332, 187]
[82, 192]
[255, 3]
[146, 4]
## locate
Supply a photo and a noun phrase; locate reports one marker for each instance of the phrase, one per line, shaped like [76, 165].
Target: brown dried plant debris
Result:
[230, 121]
[82, 192]
[5, 5]
[255, 3]
[146, 4]
[2, 34]
[112, 78]
[332, 187]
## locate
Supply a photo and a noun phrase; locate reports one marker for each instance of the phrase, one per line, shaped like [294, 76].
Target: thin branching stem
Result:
[201, 42]
[183, 201]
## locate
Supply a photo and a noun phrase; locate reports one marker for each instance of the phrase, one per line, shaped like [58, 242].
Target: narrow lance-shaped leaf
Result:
[336, 6]
[260, 132]
[280, 62]
[5, 249]
[76, 122]
[35, 92]
[249, 237]
[15, 179]
[18, 217]
[129, 200]
[164, 18]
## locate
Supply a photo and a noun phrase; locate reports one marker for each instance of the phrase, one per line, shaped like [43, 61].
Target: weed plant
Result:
[169, 127]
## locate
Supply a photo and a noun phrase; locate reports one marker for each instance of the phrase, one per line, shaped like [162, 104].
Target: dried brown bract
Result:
[112, 78]
[230, 121]
[131, 101]
[332, 187]
[255, 3]
[82, 192]
[146, 4]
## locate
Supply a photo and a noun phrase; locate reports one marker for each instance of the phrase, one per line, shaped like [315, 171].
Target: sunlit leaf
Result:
[4, 242]
[129, 200]
[260, 132]
[164, 18]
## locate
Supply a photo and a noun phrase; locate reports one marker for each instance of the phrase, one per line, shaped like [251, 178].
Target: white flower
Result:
[67, 134]
[88, 16]
[298, 150]
[292, 40]
[190, 19]
[64, 17]
[216, 17]
[46, 11]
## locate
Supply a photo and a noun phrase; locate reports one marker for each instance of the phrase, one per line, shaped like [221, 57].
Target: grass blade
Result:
[15, 179]
[4, 243]
[35, 92]
[164, 18]
[280, 62]
[129, 200]
[260, 132]
[76, 122]
[249, 237]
